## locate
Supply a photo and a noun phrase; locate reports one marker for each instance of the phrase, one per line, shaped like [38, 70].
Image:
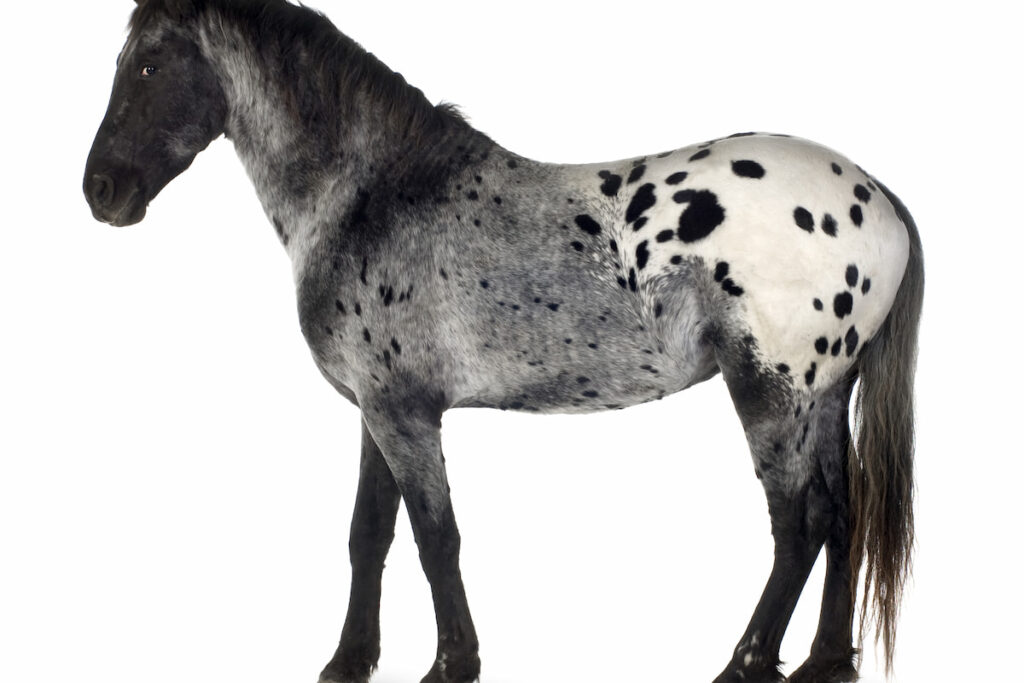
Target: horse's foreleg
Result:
[409, 436]
[372, 530]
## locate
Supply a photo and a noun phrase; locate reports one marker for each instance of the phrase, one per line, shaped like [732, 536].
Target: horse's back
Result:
[801, 252]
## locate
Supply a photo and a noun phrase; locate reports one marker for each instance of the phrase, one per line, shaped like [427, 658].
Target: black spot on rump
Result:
[731, 288]
[721, 271]
[642, 255]
[865, 286]
[665, 235]
[676, 178]
[611, 184]
[829, 225]
[704, 153]
[701, 217]
[837, 346]
[642, 200]
[852, 339]
[809, 375]
[588, 224]
[746, 168]
[818, 305]
[843, 304]
[636, 174]
[837, 169]
[821, 345]
[856, 215]
[862, 193]
[852, 275]
[578, 246]
[803, 218]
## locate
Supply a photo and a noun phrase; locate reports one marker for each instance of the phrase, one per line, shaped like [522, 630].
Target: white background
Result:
[177, 478]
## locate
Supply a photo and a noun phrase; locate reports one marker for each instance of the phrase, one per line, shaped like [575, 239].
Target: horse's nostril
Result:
[102, 190]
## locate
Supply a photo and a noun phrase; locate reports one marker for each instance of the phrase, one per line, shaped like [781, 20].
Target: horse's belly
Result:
[589, 357]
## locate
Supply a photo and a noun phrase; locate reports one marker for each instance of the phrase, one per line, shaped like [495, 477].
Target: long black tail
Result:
[882, 462]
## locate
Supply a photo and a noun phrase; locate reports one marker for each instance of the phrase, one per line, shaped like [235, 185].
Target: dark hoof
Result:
[464, 669]
[750, 670]
[817, 671]
[346, 678]
[353, 665]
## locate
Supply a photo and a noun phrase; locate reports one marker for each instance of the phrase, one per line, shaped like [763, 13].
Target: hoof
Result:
[345, 678]
[351, 666]
[450, 670]
[827, 671]
[752, 672]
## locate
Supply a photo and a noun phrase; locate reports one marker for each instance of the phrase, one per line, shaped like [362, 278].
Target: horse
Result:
[435, 269]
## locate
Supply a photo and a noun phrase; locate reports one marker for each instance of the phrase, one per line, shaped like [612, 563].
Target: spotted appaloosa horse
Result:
[436, 270]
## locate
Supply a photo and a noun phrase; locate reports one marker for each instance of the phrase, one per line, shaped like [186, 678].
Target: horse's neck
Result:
[307, 167]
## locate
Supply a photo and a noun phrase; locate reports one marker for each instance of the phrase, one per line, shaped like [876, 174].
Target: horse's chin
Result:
[131, 211]
[131, 216]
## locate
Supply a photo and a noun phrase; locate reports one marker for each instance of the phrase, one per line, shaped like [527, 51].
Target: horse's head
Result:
[166, 106]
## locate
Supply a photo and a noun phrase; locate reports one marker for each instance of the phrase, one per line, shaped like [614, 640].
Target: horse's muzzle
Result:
[118, 204]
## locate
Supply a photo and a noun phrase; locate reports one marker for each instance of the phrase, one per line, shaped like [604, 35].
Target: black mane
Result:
[321, 67]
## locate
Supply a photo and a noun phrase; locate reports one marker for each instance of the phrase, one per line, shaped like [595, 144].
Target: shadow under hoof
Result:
[835, 671]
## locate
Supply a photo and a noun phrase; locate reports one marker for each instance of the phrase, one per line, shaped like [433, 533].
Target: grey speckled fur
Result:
[435, 269]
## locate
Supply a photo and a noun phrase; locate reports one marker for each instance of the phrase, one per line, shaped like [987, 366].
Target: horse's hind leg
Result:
[783, 429]
[832, 657]
[372, 530]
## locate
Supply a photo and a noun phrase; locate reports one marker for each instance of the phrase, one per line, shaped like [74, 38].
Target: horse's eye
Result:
[147, 71]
